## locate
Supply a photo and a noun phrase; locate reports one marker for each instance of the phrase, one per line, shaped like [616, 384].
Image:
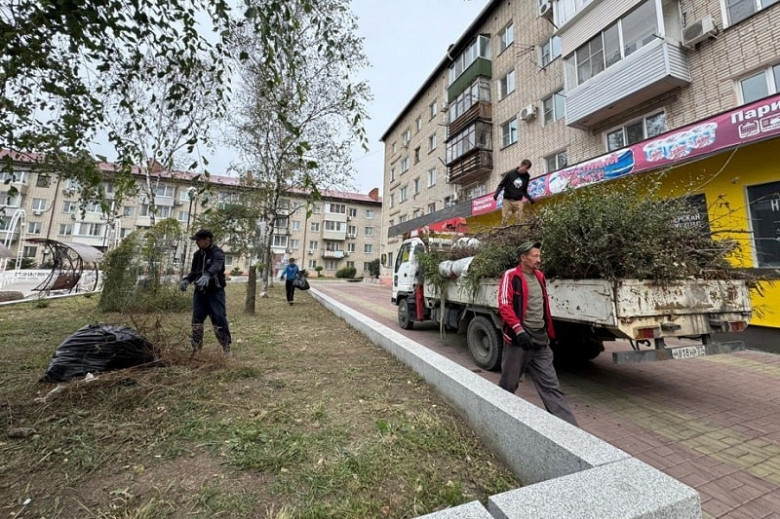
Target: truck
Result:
[586, 312]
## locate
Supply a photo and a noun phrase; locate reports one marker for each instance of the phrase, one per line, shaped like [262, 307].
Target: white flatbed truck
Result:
[586, 313]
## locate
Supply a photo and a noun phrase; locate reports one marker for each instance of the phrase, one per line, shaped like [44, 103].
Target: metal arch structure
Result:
[69, 263]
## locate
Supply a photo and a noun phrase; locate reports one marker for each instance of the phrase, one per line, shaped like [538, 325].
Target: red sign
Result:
[750, 123]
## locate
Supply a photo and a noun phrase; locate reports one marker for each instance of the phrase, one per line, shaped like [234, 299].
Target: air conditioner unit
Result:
[528, 113]
[73, 216]
[312, 251]
[699, 31]
[349, 218]
[546, 9]
[37, 213]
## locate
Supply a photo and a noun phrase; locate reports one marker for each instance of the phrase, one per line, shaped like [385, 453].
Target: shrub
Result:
[236, 272]
[373, 268]
[346, 272]
[319, 268]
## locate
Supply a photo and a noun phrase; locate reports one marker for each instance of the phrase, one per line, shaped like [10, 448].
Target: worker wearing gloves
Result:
[514, 184]
[208, 276]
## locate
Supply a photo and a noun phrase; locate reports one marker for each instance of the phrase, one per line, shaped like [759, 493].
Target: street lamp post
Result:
[192, 193]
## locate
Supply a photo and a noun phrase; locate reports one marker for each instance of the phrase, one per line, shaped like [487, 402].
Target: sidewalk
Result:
[711, 422]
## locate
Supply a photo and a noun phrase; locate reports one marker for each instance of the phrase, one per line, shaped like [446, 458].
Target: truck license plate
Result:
[688, 352]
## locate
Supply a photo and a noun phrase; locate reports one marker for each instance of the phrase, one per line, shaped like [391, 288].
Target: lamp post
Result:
[192, 194]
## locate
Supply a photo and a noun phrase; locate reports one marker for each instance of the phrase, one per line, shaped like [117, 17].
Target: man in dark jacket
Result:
[528, 328]
[208, 275]
[515, 186]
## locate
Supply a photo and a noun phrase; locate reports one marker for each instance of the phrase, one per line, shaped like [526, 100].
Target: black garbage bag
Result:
[300, 282]
[98, 347]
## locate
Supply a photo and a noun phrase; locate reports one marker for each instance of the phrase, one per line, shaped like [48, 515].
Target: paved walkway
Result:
[711, 422]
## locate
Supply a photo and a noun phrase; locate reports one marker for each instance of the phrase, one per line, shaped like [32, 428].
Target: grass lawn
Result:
[308, 420]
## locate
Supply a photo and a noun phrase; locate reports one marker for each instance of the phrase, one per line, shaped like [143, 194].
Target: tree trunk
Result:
[251, 290]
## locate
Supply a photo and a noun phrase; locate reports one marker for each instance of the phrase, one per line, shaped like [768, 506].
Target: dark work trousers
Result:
[539, 365]
[288, 286]
[212, 304]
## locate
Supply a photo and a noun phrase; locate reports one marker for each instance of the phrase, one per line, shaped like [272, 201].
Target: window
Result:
[369, 231]
[39, 204]
[554, 107]
[392, 200]
[636, 29]
[417, 155]
[403, 194]
[66, 229]
[477, 135]
[316, 209]
[506, 85]
[636, 131]
[279, 241]
[406, 137]
[284, 203]
[555, 161]
[312, 264]
[18, 177]
[369, 214]
[13, 201]
[183, 216]
[432, 143]
[29, 251]
[395, 147]
[549, 51]
[282, 223]
[389, 259]
[352, 212]
[69, 207]
[418, 124]
[764, 203]
[163, 211]
[43, 181]
[433, 109]
[143, 210]
[506, 37]
[509, 132]
[368, 248]
[432, 177]
[88, 229]
[402, 218]
[432, 207]
[331, 225]
[295, 244]
[738, 10]
[337, 208]
[478, 91]
[165, 191]
[296, 225]
[34, 227]
[404, 165]
[314, 245]
[352, 230]
[331, 264]
[476, 192]
[351, 247]
[760, 85]
[127, 210]
[416, 185]
[479, 48]
[314, 227]
[392, 174]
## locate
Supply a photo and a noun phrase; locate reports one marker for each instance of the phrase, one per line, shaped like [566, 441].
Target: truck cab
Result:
[405, 269]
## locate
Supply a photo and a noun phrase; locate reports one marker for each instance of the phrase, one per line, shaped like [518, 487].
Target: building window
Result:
[509, 132]
[389, 259]
[432, 207]
[368, 248]
[477, 135]
[478, 91]
[127, 210]
[352, 212]
[351, 247]
[432, 177]
[392, 200]
[392, 174]
[416, 185]
[18, 177]
[88, 229]
[66, 229]
[331, 264]
[312, 264]
[506, 85]
[228, 260]
[402, 218]
[479, 48]
[433, 108]
[314, 245]
[418, 124]
[406, 137]
[337, 208]
[43, 181]
[316, 209]
[34, 227]
[549, 51]
[636, 131]
[183, 216]
[69, 207]
[369, 231]
[403, 194]
[164, 191]
[554, 107]
[417, 155]
[476, 191]
[279, 241]
[296, 225]
[295, 244]
[331, 225]
[314, 227]
[636, 29]
[29, 251]
[555, 161]
[760, 85]
[370, 214]
[432, 143]
[738, 10]
[352, 231]
[395, 147]
[404, 165]
[39, 204]
[764, 203]
[506, 37]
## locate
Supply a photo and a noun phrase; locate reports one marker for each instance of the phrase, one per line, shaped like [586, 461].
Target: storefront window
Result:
[764, 201]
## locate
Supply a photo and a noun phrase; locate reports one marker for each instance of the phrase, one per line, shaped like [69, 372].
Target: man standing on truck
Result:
[515, 186]
[528, 328]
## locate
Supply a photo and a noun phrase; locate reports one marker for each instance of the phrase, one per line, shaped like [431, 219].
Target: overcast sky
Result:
[404, 41]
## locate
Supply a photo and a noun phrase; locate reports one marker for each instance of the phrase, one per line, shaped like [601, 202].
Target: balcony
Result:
[472, 166]
[334, 235]
[481, 111]
[482, 67]
[334, 254]
[653, 70]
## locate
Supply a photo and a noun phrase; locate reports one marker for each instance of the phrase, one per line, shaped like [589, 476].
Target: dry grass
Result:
[308, 420]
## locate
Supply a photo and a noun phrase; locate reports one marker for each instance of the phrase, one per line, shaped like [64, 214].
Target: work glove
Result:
[203, 281]
[495, 196]
[522, 340]
[183, 285]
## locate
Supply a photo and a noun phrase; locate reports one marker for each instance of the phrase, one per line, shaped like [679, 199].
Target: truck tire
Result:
[404, 319]
[485, 343]
[576, 343]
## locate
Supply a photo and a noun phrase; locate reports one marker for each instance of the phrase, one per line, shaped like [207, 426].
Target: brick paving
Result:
[711, 422]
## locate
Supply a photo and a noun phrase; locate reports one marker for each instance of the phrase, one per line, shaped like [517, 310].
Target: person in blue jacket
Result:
[208, 275]
[289, 273]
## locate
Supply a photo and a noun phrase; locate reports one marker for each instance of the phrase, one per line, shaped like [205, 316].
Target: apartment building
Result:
[343, 229]
[590, 90]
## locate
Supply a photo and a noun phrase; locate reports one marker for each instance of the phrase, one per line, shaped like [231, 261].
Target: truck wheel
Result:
[404, 319]
[576, 343]
[485, 343]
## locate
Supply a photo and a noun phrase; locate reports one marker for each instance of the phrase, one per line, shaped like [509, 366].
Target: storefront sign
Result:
[756, 121]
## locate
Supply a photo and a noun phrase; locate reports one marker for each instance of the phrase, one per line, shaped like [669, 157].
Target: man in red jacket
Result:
[528, 328]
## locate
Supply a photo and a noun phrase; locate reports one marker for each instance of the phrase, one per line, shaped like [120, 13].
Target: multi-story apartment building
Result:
[343, 229]
[589, 90]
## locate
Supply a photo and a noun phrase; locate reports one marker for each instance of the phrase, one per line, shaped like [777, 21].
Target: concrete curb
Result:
[569, 472]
